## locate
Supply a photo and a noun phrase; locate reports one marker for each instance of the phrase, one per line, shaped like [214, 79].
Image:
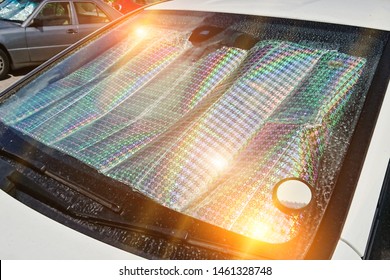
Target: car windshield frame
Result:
[232, 241]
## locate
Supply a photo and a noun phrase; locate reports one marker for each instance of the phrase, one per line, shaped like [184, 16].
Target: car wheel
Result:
[4, 64]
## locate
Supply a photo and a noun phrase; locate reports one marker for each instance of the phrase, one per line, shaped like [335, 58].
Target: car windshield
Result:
[17, 10]
[237, 121]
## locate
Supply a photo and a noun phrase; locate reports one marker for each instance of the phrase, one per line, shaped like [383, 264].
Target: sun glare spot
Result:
[140, 32]
[261, 231]
[219, 162]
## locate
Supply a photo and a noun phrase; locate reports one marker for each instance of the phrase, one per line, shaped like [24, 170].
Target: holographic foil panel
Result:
[195, 127]
[151, 110]
[185, 167]
[71, 114]
[329, 85]
[45, 102]
[277, 152]
[290, 145]
[14, 10]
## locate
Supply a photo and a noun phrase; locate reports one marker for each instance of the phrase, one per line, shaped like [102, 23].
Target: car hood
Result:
[369, 14]
[8, 24]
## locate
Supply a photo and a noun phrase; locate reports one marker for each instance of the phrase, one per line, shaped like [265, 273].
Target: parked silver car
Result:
[32, 31]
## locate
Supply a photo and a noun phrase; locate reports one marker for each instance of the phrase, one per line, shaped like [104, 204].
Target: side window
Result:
[55, 14]
[88, 12]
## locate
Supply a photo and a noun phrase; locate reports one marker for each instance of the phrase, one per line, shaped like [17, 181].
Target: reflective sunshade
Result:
[202, 123]
[18, 10]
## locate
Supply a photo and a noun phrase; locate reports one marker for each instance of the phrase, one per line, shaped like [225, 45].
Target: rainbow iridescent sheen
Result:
[106, 95]
[194, 134]
[151, 110]
[70, 87]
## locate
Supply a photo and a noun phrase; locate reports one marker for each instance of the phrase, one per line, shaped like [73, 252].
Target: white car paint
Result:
[24, 231]
[344, 252]
[371, 14]
[27, 234]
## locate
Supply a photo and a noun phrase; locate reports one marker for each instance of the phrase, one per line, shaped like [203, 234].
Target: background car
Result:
[33, 31]
[209, 130]
[126, 6]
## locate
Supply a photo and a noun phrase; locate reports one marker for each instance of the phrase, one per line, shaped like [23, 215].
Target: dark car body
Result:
[126, 6]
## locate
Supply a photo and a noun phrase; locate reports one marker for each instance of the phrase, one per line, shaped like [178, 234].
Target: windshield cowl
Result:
[6, 23]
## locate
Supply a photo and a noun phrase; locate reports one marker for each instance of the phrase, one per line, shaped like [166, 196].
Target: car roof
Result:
[363, 13]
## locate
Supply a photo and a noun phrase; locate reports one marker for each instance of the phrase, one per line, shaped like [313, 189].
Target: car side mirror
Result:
[36, 22]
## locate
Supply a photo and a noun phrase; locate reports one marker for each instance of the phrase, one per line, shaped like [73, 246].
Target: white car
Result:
[205, 130]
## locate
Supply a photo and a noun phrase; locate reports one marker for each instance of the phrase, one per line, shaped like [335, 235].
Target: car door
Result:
[89, 17]
[52, 30]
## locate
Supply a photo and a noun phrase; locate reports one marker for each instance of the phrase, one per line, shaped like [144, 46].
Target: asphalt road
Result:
[13, 77]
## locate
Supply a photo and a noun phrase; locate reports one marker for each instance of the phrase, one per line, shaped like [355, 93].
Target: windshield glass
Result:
[224, 118]
[17, 10]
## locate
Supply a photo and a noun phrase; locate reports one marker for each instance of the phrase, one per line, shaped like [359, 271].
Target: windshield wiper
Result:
[20, 182]
[41, 169]
[23, 184]
[16, 181]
